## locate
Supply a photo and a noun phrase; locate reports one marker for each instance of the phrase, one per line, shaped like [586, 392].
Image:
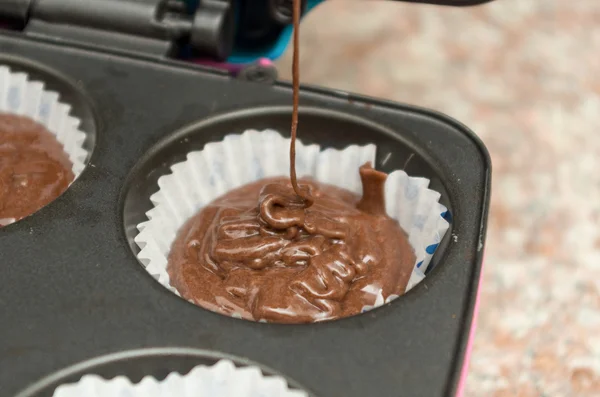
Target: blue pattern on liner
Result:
[14, 99]
[216, 173]
[431, 248]
[44, 111]
[411, 190]
[258, 170]
[419, 221]
[447, 216]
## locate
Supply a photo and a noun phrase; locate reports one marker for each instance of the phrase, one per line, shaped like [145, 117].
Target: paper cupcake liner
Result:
[241, 159]
[223, 379]
[6, 221]
[21, 96]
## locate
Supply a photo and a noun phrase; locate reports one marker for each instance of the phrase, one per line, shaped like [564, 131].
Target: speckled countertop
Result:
[525, 76]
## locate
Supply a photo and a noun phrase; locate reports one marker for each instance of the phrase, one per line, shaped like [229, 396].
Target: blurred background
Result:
[525, 76]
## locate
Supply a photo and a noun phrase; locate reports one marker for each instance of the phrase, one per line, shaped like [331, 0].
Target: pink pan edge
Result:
[465, 369]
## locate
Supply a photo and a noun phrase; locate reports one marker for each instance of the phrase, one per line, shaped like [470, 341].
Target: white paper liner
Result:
[21, 96]
[220, 380]
[241, 159]
[6, 221]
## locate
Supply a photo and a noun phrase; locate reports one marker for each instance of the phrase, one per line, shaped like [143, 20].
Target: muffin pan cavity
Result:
[250, 149]
[69, 93]
[49, 146]
[157, 363]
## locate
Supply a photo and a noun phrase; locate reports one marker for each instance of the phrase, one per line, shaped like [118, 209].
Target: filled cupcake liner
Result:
[6, 221]
[223, 379]
[253, 155]
[22, 96]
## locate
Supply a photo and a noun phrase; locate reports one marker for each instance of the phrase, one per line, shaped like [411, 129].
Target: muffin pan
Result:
[73, 289]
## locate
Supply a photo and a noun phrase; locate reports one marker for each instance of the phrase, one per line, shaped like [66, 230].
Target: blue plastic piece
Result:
[278, 47]
[239, 56]
[192, 5]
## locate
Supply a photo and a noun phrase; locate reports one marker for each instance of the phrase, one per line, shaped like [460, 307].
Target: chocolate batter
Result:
[282, 261]
[303, 194]
[34, 169]
[306, 252]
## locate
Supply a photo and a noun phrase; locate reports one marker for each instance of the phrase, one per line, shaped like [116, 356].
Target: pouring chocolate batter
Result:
[34, 168]
[292, 251]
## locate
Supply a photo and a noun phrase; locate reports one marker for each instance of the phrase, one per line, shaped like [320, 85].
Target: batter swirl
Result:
[282, 261]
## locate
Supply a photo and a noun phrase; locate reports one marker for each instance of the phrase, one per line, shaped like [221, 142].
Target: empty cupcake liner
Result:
[21, 96]
[223, 379]
[253, 155]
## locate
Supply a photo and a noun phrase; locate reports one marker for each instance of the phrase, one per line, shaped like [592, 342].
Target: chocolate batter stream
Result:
[296, 99]
[291, 251]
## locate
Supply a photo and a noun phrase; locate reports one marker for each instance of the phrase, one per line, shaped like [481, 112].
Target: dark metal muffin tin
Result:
[72, 289]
